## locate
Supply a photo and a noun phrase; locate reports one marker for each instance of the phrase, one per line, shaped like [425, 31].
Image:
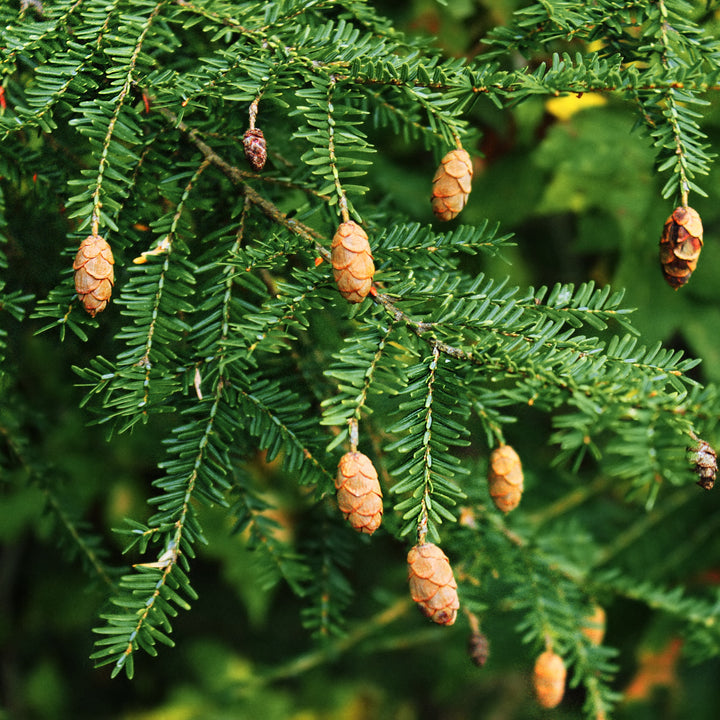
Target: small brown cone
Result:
[549, 679]
[352, 262]
[94, 273]
[680, 245]
[451, 184]
[594, 626]
[706, 465]
[432, 584]
[505, 478]
[358, 492]
[478, 648]
[255, 148]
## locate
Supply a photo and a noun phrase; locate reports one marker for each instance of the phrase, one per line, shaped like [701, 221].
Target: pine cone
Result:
[255, 148]
[594, 626]
[549, 679]
[452, 184]
[478, 648]
[352, 262]
[94, 273]
[505, 478]
[432, 584]
[358, 492]
[706, 465]
[680, 245]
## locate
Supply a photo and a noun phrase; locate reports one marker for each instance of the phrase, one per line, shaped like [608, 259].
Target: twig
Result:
[308, 661]
[569, 501]
[239, 177]
[97, 201]
[423, 330]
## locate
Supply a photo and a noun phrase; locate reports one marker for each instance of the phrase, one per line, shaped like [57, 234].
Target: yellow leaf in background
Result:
[563, 108]
[639, 64]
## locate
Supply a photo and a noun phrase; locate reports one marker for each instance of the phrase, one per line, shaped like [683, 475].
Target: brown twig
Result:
[240, 177]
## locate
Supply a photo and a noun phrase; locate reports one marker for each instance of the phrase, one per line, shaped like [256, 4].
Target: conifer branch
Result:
[36, 40]
[88, 546]
[336, 646]
[679, 141]
[550, 591]
[644, 524]
[226, 20]
[165, 247]
[256, 401]
[673, 107]
[230, 324]
[238, 176]
[428, 429]
[85, 545]
[342, 198]
[422, 329]
[154, 591]
[426, 501]
[370, 373]
[329, 554]
[671, 601]
[362, 367]
[119, 101]
[264, 533]
[699, 615]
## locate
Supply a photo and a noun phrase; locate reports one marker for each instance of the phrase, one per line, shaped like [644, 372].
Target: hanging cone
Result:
[451, 184]
[680, 245]
[358, 492]
[432, 584]
[594, 626]
[94, 273]
[505, 478]
[549, 679]
[255, 148]
[352, 262]
[706, 465]
[478, 648]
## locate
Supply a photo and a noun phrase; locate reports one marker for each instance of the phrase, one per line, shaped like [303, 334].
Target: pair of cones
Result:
[432, 584]
[351, 257]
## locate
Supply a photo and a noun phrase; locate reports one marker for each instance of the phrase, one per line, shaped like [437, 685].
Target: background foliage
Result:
[575, 180]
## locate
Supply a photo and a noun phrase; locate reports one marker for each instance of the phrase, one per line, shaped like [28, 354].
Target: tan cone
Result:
[432, 583]
[680, 245]
[352, 262]
[94, 273]
[549, 679]
[451, 184]
[594, 625]
[505, 478]
[359, 495]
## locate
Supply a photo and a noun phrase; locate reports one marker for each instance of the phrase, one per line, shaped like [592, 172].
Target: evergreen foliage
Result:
[228, 347]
